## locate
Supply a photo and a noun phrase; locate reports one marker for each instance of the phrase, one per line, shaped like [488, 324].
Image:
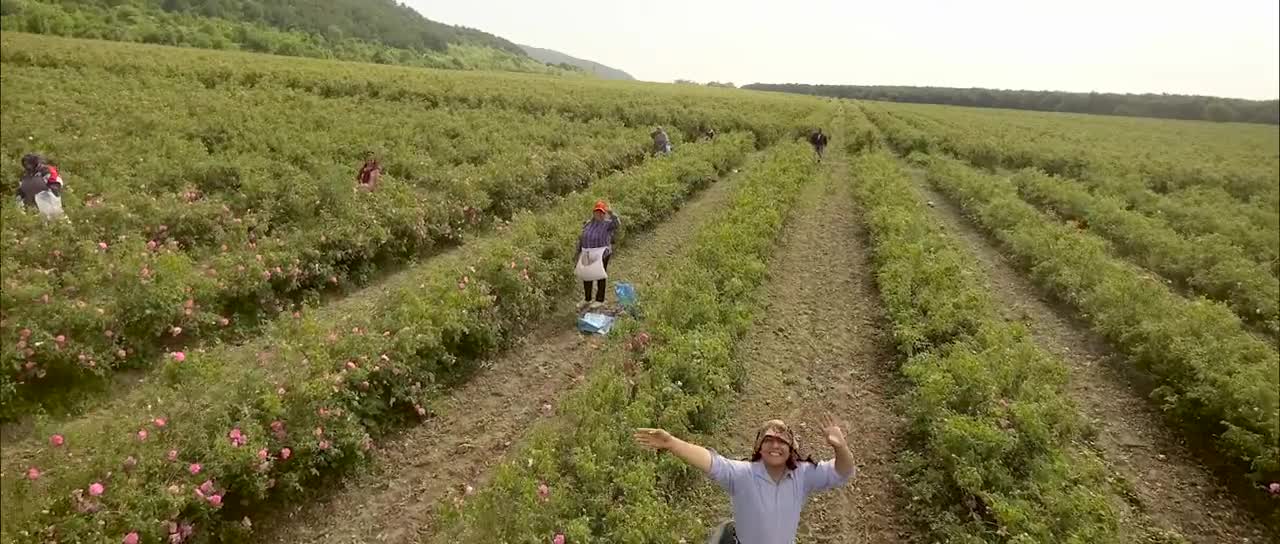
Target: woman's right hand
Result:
[657, 439]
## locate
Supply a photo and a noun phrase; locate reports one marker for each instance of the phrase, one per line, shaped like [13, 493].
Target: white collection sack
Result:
[591, 265]
[49, 204]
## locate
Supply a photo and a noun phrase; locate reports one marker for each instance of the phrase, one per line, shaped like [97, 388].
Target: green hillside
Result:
[377, 31]
[591, 67]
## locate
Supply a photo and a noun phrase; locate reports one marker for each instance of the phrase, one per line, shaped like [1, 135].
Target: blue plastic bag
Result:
[626, 294]
[595, 323]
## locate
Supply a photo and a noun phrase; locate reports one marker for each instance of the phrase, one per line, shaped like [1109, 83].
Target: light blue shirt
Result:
[765, 512]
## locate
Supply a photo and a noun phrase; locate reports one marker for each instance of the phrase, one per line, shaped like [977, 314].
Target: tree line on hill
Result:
[379, 21]
[377, 31]
[1165, 106]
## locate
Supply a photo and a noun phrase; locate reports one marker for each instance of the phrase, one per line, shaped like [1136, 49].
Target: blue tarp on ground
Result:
[595, 323]
[626, 294]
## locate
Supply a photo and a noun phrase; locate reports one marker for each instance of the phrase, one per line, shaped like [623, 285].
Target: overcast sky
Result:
[1221, 48]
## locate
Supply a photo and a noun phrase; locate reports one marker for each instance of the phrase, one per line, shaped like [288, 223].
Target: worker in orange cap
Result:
[597, 237]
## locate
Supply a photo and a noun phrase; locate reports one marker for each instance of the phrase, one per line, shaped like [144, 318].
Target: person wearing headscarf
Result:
[37, 176]
[661, 142]
[370, 171]
[769, 489]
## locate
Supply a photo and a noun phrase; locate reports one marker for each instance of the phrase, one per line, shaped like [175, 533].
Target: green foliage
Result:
[1165, 106]
[380, 32]
[1215, 377]
[994, 455]
[330, 384]
[1203, 179]
[1164, 155]
[1210, 265]
[603, 487]
[223, 185]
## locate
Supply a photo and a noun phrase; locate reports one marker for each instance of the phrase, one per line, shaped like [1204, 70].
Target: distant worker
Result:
[661, 143]
[819, 142]
[37, 177]
[596, 242]
[370, 172]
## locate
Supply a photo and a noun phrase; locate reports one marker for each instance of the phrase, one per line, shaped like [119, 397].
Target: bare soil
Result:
[821, 346]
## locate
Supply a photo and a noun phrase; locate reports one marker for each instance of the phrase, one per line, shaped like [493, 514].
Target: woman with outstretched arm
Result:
[770, 489]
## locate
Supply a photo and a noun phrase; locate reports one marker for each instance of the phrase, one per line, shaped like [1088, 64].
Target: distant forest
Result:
[380, 31]
[1165, 106]
[378, 21]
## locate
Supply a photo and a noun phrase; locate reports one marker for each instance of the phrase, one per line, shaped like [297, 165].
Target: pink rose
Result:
[102, 245]
[131, 538]
[544, 492]
[96, 489]
[33, 474]
[559, 539]
[215, 500]
[194, 468]
[56, 440]
[173, 455]
[285, 453]
[160, 422]
[263, 454]
[142, 435]
[179, 356]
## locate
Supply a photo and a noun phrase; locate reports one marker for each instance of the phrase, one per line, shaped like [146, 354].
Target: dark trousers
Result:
[725, 533]
[586, 285]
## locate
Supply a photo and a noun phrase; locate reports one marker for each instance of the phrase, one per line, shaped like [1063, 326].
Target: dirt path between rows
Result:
[822, 346]
[1170, 489]
[477, 423]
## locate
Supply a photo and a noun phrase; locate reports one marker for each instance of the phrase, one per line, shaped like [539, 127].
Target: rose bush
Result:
[313, 393]
[222, 185]
[1231, 191]
[993, 433]
[1214, 376]
[674, 369]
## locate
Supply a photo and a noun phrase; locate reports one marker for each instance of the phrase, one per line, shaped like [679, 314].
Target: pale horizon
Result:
[1228, 49]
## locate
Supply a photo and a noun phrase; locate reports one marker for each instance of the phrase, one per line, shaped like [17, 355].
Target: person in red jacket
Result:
[37, 176]
[370, 171]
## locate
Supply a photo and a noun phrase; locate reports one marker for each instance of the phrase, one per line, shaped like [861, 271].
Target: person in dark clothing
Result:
[370, 171]
[37, 177]
[597, 233]
[661, 142]
[819, 142]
